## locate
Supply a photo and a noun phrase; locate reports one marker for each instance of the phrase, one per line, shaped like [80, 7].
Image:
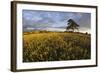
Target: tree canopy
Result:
[72, 25]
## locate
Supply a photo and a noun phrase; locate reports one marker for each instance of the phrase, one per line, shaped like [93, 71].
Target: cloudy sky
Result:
[54, 20]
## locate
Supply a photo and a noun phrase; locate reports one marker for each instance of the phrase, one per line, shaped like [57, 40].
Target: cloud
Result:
[50, 19]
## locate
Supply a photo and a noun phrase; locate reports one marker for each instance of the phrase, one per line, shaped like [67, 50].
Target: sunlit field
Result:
[41, 46]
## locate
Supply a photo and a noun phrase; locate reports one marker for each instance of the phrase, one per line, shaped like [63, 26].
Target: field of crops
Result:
[56, 46]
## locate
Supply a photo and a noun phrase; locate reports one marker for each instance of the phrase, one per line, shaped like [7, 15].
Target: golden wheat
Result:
[56, 46]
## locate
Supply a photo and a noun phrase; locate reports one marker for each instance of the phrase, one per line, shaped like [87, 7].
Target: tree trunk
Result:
[73, 30]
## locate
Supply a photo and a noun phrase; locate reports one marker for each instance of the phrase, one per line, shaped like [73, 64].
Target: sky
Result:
[54, 20]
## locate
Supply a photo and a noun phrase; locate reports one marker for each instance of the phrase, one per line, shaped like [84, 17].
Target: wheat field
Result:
[56, 46]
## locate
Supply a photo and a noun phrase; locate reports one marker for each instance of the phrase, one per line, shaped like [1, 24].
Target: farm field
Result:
[55, 46]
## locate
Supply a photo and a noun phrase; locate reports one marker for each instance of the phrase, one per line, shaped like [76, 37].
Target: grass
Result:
[55, 46]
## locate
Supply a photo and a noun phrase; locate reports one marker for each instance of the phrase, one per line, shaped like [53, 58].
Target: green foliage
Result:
[56, 46]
